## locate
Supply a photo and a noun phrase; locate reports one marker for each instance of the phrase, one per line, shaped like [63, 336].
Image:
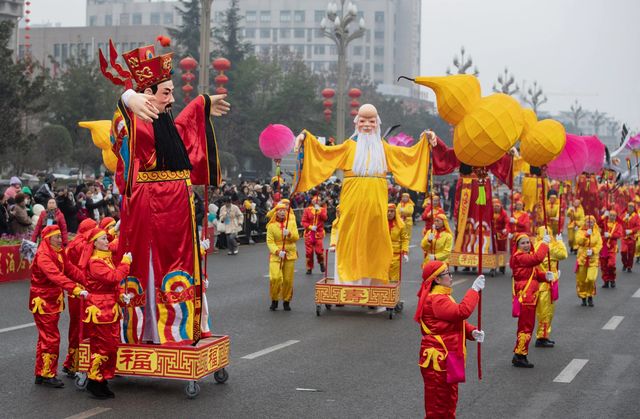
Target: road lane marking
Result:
[270, 349]
[570, 371]
[89, 413]
[636, 294]
[22, 326]
[613, 323]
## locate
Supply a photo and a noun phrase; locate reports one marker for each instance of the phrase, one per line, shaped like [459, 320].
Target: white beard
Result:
[370, 159]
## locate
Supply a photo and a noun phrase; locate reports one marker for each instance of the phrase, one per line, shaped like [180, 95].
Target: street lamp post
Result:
[205, 37]
[335, 26]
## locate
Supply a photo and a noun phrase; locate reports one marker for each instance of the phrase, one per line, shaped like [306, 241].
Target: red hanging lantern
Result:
[354, 112]
[327, 103]
[188, 77]
[355, 104]
[187, 88]
[327, 114]
[221, 79]
[188, 64]
[355, 93]
[328, 93]
[221, 91]
[221, 64]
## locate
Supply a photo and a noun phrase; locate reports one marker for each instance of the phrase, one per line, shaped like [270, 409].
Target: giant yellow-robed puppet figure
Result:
[364, 249]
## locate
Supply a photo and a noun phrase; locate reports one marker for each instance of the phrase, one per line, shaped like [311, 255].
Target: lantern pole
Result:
[481, 173]
[205, 35]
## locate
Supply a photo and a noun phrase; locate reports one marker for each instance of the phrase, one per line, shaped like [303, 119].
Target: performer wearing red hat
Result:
[631, 226]
[526, 275]
[443, 348]
[51, 274]
[159, 158]
[102, 312]
[500, 225]
[612, 232]
[313, 219]
[520, 221]
[432, 209]
[74, 253]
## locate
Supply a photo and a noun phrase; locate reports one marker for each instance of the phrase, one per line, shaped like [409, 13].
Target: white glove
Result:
[513, 220]
[589, 252]
[628, 232]
[206, 244]
[559, 237]
[504, 231]
[606, 234]
[285, 232]
[430, 237]
[313, 228]
[510, 236]
[478, 335]
[125, 298]
[206, 284]
[405, 258]
[546, 239]
[332, 249]
[117, 226]
[432, 256]
[606, 213]
[549, 276]
[478, 284]
[282, 254]
[84, 293]
[589, 232]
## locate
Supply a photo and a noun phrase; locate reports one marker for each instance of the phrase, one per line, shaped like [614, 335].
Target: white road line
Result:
[270, 349]
[636, 294]
[570, 371]
[22, 326]
[411, 246]
[89, 413]
[613, 323]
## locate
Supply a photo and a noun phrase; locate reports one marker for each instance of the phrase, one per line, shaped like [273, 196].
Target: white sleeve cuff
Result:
[126, 95]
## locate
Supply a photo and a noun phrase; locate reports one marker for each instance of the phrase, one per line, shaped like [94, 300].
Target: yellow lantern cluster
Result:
[486, 128]
[100, 134]
[542, 141]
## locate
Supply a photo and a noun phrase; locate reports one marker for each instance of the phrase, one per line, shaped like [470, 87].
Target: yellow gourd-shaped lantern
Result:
[456, 95]
[530, 119]
[100, 134]
[543, 142]
[486, 133]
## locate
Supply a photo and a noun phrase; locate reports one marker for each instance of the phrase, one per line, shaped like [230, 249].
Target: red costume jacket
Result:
[525, 266]
[522, 224]
[610, 244]
[630, 222]
[311, 217]
[501, 224]
[103, 280]
[428, 220]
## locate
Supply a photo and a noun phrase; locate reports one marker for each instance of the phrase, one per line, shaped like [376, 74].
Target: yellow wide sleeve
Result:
[334, 233]
[425, 243]
[557, 250]
[443, 247]
[404, 241]
[273, 230]
[320, 161]
[596, 242]
[409, 165]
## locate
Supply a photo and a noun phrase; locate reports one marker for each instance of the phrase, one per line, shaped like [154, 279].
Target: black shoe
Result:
[69, 372]
[521, 361]
[590, 301]
[584, 302]
[274, 306]
[106, 390]
[96, 389]
[322, 268]
[308, 271]
[613, 284]
[606, 284]
[503, 270]
[286, 306]
[53, 382]
[467, 269]
[543, 343]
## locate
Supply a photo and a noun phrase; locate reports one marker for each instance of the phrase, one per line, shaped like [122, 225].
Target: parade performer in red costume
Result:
[431, 211]
[500, 225]
[612, 232]
[444, 334]
[631, 226]
[51, 274]
[102, 312]
[313, 219]
[74, 253]
[159, 158]
[587, 193]
[526, 275]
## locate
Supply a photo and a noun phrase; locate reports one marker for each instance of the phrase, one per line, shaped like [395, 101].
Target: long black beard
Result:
[171, 153]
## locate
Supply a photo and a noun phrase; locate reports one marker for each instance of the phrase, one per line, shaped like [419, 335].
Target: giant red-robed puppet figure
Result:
[159, 159]
[444, 162]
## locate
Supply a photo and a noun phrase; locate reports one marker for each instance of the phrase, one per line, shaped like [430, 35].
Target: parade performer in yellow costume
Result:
[405, 212]
[399, 242]
[364, 248]
[553, 213]
[589, 244]
[576, 220]
[437, 243]
[546, 298]
[282, 258]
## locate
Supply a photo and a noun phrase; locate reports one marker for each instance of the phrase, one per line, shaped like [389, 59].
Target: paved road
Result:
[360, 363]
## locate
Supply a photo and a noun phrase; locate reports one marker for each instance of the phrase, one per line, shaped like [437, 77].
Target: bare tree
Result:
[597, 119]
[506, 83]
[577, 113]
[462, 64]
[534, 96]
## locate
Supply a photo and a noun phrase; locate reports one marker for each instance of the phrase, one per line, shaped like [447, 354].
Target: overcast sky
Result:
[576, 49]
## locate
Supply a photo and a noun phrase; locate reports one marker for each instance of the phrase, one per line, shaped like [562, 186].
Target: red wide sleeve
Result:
[196, 130]
[62, 223]
[443, 159]
[73, 272]
[468, 328]
[306, 222]
[53, 274]
[108, 275]
[527, 260]
[444, 308]
[503, 170]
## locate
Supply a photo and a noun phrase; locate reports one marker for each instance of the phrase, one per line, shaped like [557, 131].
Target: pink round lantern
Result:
[571, 161]
[595, 154]
[276, 141]
[634, 143]
[402, 140]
